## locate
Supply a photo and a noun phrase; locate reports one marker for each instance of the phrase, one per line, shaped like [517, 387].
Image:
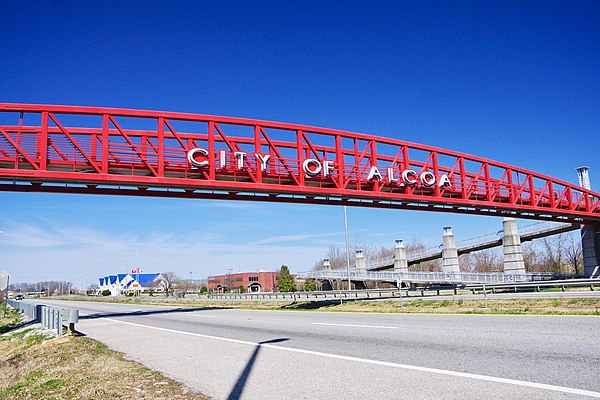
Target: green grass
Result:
[9, 318]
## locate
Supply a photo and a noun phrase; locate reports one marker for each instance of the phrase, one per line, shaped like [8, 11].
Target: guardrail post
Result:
[72, 319]
[485, 297]
[38, 313]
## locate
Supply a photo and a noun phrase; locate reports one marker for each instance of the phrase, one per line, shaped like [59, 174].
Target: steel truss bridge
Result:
[67, 149]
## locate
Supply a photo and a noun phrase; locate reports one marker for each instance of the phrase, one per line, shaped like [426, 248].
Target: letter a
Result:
[374, 173]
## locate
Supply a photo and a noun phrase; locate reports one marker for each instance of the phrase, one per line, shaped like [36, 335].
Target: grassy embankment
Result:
[36, 366]
[544, 306]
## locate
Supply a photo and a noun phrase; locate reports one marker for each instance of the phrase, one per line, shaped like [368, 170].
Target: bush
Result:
[105, 292]
[286, 281]
[310, 285]
[203, 290]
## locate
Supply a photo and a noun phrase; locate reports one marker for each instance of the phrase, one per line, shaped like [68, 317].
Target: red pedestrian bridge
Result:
[71, 149]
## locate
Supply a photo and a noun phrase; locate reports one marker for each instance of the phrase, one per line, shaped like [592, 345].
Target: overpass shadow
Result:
[148, 312]
[314, 305]
[238, 389]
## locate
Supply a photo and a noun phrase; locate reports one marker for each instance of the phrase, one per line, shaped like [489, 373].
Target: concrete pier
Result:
[513, 253]
[361, 266]
[400, 259]
[590, 235]
[590, 246]
[450, 252]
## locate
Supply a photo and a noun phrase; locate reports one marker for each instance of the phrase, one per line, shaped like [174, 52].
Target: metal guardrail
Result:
[50, 317]
[428, 277]
[406, 292]
[562, 284]
[365, 293]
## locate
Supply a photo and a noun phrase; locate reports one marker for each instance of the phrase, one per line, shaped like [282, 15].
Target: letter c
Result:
[191, 157]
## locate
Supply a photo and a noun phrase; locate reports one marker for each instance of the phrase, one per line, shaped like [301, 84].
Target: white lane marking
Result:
[203, 316]
[356, 326]
[381, 363]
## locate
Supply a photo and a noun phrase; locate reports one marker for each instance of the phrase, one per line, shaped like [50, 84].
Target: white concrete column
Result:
[400, 260]
[450, 252]
[513, 253]
[590, 245]
[359, 261]
[590, 235]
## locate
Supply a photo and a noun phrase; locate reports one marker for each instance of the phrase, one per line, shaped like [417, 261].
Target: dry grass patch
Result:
[78, 368]
[579, 306]
[455, 305]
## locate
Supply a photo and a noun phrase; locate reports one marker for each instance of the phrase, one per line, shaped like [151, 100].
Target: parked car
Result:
[19, 297]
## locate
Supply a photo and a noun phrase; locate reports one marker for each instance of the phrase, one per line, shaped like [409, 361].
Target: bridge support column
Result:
[400, 260]
[513, 254]
[361, 266]
[590, 235]
[450, 253]
[590, 246]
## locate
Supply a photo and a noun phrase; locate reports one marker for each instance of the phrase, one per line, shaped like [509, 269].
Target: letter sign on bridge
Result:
[69, 149]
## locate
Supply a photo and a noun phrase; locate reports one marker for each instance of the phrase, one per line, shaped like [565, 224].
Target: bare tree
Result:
[488, 261]
[336, 256]
[553, 253]
[574, 254]
[531, 258]
[166, 281]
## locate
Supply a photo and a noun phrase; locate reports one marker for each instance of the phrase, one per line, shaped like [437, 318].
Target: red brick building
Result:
[252, 282]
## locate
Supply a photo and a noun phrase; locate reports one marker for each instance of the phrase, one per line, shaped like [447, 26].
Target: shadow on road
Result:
[313, 305]
[147, 312]
[237, 390]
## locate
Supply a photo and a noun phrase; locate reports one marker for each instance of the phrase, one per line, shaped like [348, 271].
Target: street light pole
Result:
[347, 247]
[137, 266]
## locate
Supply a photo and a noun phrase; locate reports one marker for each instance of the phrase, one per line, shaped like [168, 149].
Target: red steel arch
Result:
[151, 153]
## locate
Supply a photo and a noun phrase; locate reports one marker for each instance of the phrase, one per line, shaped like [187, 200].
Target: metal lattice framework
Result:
[150, 153]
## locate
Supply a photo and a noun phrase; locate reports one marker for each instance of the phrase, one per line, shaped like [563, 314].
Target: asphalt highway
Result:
[233, 354]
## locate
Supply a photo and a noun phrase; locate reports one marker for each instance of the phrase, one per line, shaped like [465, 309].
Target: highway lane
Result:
[324, 355]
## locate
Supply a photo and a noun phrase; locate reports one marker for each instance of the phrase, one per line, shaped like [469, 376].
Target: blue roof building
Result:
[119, 283]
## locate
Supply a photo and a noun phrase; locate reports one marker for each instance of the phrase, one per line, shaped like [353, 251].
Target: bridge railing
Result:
[71, 149]
[429, 277]
[542, 227]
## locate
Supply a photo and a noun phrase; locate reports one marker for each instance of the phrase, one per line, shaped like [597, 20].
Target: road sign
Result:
[4, 278]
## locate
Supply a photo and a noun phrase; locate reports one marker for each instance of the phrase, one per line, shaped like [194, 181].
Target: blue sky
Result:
[516, 82]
